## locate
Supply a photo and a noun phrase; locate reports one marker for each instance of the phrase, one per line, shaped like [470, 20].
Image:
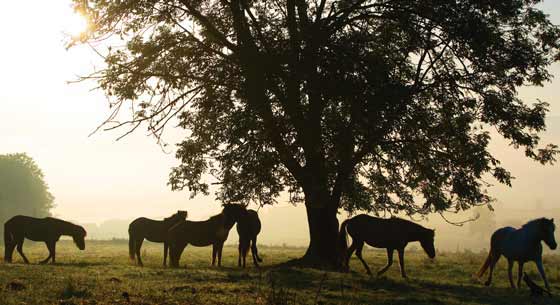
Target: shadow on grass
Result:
[485, 295]
[78, 264]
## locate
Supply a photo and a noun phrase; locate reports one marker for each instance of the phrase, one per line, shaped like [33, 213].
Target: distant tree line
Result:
[23, 189]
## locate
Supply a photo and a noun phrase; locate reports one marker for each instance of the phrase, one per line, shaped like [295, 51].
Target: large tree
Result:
[382, 106]
[23, 189]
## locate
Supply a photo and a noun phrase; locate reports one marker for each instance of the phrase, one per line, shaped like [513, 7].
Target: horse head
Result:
[79, 237]
[180, 215]
[427, 243]
[547, 228]
[233, 212]
[177, 217]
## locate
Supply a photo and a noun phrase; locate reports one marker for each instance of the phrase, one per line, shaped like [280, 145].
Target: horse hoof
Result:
[487, 283]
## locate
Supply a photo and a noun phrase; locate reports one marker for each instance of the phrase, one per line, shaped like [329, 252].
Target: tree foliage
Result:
[23, 189]
[382, 106]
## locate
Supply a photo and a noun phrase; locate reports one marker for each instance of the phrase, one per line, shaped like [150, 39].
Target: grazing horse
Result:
[520, 245]
[393, 234]
[248, 227]
[152, 230]
[213, 231]
[48, 229]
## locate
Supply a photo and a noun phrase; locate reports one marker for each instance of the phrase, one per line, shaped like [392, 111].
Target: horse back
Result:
[381, 232]
[249, 225]
[199, 233]
[153, 230]
[36, 229]
[515, 244]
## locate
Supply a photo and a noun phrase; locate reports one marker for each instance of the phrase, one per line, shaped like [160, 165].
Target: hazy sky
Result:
[95, 178]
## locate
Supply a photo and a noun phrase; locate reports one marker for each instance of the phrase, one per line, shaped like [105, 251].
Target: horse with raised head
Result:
[152, 230]
[48, 230]
[393, 234]
[213, 231]
[248, 227]
[520, 245]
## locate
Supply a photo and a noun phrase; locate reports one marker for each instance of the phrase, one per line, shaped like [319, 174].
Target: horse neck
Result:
[169, 222]
[532, 233]
[416, 232]
[68, 229]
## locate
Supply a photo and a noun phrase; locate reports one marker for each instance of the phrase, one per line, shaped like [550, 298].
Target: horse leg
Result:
[245, 252]
[519, 273]
[254, 252]
[359, 249]
[510, 276]
[53, 258]
[138, 246]
[540, 267]
[494, 260]
[239, 254]
[214, 250]
[176, 253]
[20, 250]
[346, 256]
[10, 246]
[389, 261]
[400, 251]
[48, 243]
[220, 248]
[165, 250]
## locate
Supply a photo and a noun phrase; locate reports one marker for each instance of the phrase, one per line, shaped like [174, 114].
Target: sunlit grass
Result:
[102, 273]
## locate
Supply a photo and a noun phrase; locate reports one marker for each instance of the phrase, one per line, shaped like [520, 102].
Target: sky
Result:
[95, 178]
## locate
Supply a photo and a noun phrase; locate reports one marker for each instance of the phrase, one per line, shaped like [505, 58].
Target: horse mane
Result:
[68, 225]
[215, 217]
[409, 223]
[536, 221]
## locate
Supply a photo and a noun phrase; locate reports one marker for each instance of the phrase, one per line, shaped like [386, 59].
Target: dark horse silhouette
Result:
[152, 230]
[393, 234]
[521, 246]
[248, 227]
[213, 231]
[46, 229]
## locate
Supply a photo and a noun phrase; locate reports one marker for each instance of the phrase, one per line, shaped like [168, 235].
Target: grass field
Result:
[103, 272]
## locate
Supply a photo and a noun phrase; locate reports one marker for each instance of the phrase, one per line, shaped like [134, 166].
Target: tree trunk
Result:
[323, 232]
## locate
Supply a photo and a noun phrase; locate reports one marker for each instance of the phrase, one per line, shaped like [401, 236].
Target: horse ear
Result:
[552, 220]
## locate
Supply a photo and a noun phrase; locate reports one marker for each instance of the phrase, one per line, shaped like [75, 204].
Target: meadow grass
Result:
[103, 274]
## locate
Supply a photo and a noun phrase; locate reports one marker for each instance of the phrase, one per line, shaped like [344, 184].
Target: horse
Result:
[48, 229]
[213, 231]
[520, 245]
[152, 230]
[393, 234]
[248, 227]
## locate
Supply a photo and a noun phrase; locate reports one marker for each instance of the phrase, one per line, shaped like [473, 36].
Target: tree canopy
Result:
[380, 106]
[23, 189]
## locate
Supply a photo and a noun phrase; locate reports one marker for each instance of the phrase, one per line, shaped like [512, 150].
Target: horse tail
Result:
[255, 250]
[131, 245]
[490, 258]
[485, 266]
[343, 239]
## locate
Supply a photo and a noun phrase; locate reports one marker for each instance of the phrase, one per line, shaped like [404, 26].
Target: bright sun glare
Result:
[75, 25]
